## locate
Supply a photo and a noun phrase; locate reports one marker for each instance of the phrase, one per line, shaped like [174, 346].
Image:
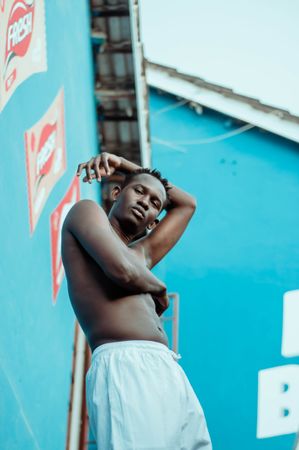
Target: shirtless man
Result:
[138, 396]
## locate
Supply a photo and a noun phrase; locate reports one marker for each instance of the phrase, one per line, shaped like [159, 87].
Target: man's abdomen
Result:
[127, 318]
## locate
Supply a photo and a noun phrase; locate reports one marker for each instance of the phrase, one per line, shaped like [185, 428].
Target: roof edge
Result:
[224, 100]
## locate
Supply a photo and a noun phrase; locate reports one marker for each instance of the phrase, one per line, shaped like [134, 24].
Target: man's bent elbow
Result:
[190, 203]
[193, 202]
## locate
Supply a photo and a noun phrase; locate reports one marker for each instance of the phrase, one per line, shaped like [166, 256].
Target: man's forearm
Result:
[132, 275]
[141, 279]
[178, 198]
[127, 166]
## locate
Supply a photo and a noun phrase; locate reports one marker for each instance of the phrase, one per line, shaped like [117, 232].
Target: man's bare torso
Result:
[104, 310]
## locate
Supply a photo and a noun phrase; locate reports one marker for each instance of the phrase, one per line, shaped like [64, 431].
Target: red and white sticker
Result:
[57, 218]
[45, 157]
[22, 43]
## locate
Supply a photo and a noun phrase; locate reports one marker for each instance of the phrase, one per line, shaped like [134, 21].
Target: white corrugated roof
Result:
[223, 100]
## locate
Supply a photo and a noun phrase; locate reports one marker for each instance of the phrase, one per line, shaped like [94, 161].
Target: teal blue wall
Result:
[36, 337]
[234, 263]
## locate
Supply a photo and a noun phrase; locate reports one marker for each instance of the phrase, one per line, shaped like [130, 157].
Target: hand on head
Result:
[100, 166]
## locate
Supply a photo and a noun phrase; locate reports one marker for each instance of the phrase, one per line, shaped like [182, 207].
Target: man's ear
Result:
[115, 192]
[153, 225]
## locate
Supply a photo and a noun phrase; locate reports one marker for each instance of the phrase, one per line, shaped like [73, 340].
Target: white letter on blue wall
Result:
[278, 401]
[290, 328]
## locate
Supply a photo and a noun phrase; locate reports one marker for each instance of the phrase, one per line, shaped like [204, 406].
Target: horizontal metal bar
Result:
[110, 11]
[118, 117]
[98, 37]
[114, 93]
[117, 47]
[119, 149]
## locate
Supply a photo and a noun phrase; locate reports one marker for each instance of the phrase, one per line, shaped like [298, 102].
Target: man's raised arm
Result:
[179, 210]
[88, 223]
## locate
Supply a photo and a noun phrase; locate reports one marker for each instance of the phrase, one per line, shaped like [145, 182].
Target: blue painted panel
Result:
[234, 263]
[36, 337]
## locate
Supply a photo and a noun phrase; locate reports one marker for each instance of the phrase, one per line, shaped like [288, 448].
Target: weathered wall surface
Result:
[232, 269]
[47, 127]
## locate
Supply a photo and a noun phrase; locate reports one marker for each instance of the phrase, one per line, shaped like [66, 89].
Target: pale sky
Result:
[250, 46]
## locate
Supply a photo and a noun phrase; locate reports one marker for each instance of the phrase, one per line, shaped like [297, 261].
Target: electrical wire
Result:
[170, 107]
[177, 145]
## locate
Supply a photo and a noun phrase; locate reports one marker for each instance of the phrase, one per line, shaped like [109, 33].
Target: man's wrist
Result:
[127, 166]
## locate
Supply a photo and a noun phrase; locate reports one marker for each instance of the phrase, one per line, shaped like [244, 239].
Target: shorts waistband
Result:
[140, 344]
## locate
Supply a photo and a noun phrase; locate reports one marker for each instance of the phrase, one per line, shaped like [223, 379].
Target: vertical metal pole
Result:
[175, 323]
[140, 85]
[77, 397]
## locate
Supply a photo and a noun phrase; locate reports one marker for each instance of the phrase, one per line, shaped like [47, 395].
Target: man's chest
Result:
[139, 252]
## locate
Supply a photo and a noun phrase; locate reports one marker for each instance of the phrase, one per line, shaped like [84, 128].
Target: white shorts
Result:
[138, 397]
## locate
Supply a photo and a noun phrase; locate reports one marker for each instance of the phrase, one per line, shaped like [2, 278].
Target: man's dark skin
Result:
[112, 290]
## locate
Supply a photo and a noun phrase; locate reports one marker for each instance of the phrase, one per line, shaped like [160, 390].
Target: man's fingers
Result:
[161, 303]
[88, 171]
[96, 168]
[105, 164]
[99, 165]
[80, 168]
[85, 179]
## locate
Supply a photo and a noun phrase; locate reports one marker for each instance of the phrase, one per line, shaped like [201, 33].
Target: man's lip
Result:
[139, 213]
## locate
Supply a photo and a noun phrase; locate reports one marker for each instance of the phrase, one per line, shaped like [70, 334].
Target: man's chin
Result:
[132, 225]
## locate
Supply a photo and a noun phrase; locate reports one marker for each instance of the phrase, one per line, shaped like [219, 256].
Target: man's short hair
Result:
[154, 172]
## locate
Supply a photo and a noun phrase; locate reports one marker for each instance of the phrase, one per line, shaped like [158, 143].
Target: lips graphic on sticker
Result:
[46, 152]
[19, 30]
[23, 49]
[56, 222]
[45, 157]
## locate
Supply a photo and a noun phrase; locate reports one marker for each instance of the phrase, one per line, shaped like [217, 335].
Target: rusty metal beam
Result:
[114, 93]
[120, 10]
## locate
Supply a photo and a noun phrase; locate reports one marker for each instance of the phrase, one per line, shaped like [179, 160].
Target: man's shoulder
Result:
[86, 203]
[87, 206]
[84, 210]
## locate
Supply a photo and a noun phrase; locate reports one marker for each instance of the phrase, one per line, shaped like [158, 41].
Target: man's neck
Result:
[126, 238]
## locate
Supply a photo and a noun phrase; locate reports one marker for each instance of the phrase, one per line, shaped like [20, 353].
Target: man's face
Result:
[140, 202]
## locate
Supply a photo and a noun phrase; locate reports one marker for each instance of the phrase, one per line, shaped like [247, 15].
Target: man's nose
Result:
[143, 202]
